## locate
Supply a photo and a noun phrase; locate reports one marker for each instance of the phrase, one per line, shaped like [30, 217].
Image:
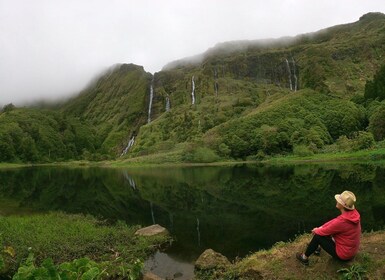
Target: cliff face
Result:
[192, 98]
[238, 99]
[115, 105]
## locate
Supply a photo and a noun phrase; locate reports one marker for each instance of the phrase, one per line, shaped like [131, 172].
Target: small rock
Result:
[152, 230]
[178, 274]
[210, 259]
[151, 276]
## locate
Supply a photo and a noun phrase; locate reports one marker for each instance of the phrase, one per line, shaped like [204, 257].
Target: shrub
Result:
[363, 140]
[376, 88]
[205, 155]
[302, 151]
[224, 150]
[344, 143]
[377, 123]
[355, 272]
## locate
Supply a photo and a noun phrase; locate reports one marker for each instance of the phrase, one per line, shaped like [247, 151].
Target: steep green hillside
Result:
[32, 135]
[115, 105]
[254, 96]
[301, 95]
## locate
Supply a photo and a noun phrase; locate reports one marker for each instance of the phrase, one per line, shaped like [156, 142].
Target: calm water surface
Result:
[233, 210]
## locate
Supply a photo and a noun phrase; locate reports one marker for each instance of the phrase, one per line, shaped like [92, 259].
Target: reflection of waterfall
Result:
[289, 71]
[171, 221]
[168, 105]
[152, 213]
[129, 179]
[129, 145]
[295, 75]
[199, 233]
[301, 227]
[193, 90]
[150, 103]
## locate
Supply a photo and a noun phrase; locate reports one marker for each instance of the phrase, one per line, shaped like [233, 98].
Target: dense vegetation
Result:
[313, 93]
[72, 247]
[32, 135]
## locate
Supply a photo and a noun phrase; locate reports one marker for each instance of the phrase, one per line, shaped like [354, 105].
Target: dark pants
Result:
[326, 243]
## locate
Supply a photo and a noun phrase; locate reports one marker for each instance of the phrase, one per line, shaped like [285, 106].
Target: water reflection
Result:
[233, 210]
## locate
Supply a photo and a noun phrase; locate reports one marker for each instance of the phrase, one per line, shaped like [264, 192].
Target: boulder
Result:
[152, 230]
[210, 259]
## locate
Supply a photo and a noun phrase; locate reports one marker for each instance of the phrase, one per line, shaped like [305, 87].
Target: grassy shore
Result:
[175, 159]
[46, 240]
[280, 262]
[377, 155]
[4, 165]
[172, 159]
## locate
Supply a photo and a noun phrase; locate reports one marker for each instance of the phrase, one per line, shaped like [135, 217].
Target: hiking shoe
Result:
[317, 252]
[301, 258]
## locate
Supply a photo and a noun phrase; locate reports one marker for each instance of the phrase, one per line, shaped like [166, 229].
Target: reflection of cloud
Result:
[167, 267]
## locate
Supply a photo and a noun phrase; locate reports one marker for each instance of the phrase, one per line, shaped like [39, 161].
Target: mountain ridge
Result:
[284, 41]
[213, 109]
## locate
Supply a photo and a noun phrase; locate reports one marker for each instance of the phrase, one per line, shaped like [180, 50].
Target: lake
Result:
[234, 210]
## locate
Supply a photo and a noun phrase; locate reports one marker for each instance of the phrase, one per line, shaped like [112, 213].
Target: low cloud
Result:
[51, 49]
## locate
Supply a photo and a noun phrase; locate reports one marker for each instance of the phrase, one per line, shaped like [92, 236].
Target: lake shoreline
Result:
[66, 240]
[279, 262]
[362, 156]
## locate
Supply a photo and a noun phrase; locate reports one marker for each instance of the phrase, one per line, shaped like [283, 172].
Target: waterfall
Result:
[168, 105]
[129, 145]
[289, 71]
[193, 90]
[216, 82]
[295, 75]
[216, 88]
[150, 103]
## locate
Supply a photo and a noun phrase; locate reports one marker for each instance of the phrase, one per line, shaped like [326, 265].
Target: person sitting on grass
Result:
[339, 237]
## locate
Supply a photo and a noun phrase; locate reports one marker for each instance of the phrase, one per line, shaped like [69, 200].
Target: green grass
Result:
[175, 158]
[4, 165]
[63, 238]
[377, 155]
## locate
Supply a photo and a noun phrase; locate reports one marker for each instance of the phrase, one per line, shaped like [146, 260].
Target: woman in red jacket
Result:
[339, 237]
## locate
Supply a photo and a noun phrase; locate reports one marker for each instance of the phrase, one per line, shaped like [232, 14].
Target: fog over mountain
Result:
[50, 49]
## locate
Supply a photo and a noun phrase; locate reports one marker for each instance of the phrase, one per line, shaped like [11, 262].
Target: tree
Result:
[7, 151]
[377, 123]
[9, 107]
[376, 88]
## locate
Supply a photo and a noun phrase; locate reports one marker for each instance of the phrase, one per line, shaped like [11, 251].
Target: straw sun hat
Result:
[346, 199]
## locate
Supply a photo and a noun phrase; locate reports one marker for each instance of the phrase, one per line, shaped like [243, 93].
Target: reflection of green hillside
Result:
[73, 190]
[230, 209]
[261, 204]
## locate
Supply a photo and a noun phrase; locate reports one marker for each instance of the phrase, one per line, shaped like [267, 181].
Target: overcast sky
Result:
[52, 48]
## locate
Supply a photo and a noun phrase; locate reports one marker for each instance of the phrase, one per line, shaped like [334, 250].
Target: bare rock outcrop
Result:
[152, 230]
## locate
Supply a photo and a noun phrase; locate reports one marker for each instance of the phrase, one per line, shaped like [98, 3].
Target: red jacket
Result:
[346, 232]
